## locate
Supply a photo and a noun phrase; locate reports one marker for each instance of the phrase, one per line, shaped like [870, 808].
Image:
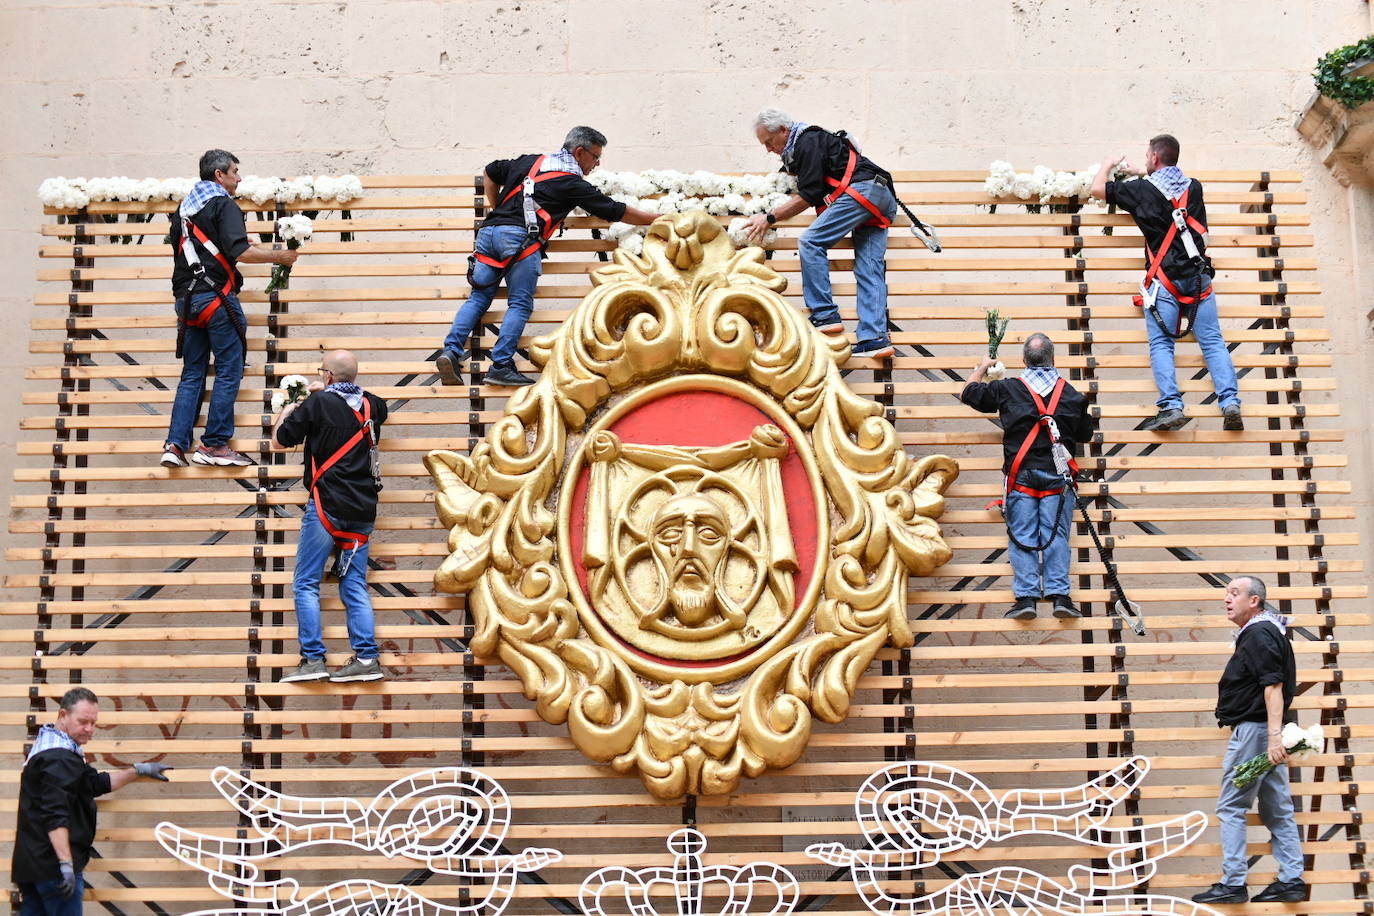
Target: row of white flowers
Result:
[666, 191]
[1043, 183]
[74, 193]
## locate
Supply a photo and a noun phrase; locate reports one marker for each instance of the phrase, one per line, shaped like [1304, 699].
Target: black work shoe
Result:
[827, 325]
[506, 374]
[1165, 420]
[1223, 893]
[1064, 608]
[1283, 892]
[448, 362]
[877, 349]
[1231, 419]
[1023, 609]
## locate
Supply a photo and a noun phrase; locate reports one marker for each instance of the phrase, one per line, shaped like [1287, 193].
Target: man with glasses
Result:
[528, 197]
[340, 424]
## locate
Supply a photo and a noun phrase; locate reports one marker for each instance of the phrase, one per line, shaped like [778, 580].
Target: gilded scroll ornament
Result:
[689, 537]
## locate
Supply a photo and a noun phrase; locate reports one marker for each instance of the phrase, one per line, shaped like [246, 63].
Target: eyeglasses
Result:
[323, 370]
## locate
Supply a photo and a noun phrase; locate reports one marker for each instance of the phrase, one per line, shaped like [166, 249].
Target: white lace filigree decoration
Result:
[914, 814]
[451, 820]
[694, 889]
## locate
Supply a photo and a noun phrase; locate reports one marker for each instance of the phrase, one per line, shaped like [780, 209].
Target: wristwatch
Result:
[770, 217]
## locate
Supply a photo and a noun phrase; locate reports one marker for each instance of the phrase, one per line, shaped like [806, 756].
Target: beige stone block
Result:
[397, 36]
[247, 42]
[416, 113]
[499, 36]
[745, 34]
[668, 35]
[47, 119]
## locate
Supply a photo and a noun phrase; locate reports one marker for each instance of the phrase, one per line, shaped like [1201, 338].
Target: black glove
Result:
[68, 880]
[152, 769]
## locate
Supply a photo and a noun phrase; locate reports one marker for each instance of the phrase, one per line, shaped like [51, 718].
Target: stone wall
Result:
[415, 86]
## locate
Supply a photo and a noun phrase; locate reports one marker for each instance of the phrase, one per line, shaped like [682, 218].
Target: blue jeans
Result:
[1030, 521]
[43, 899]
[315, 549]
[499, 243]
[1207, 330]
[222, 338]
[1275, 808]
[870, 259]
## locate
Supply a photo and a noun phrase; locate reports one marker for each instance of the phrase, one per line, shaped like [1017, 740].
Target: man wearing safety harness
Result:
[529, 197]
[208, 239]
[851, 195]
[1043, 421]
[340, 424]
[1176, 292]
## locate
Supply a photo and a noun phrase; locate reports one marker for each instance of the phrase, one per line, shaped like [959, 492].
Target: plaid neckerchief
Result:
[1267, 616]
[1042, 379]
[49, 737]
[201, 194]
[794, 131]
[1170, 180]
[349, 392]
[561, 161]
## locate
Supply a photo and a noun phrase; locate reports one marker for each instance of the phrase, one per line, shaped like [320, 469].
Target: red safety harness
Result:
[189, 231]
[842, 185]
[1188, 304]
[546, 225]
[344, 540]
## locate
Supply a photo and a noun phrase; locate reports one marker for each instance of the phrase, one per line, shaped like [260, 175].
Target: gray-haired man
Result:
[529, 197]
[1253, 697]
[852, 196]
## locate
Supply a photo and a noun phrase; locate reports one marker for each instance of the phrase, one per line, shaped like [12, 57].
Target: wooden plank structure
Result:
[168, 592]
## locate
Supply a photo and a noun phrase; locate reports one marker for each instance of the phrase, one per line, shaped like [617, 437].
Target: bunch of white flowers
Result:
[736, 232]
[1043, 184]
[341, 189]
[63, 194]
[718, 195]
[293, 389]
[175, 188]
[293, 230]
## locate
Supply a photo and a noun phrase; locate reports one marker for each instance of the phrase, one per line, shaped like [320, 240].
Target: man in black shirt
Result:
[1038, 504]
[1180, 282]
[57, 811]
[1253, 697]
[851, 196]
[529, 196]
[340, 425]
[209, 238]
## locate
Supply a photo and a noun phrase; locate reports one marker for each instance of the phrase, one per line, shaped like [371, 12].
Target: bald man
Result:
[340, 424]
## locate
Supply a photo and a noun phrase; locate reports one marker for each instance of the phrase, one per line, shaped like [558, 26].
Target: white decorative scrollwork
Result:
[451, 819]
[695, 889]
[914, 814]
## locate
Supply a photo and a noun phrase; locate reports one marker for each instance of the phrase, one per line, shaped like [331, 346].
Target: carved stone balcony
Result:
[1346, 135]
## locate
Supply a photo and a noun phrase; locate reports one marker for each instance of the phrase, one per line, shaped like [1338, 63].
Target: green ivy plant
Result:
[1350, 91]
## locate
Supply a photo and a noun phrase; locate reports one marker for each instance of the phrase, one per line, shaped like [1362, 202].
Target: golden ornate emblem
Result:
[689, 537]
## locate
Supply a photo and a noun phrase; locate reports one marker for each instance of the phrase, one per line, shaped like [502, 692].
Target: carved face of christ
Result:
[690, 536]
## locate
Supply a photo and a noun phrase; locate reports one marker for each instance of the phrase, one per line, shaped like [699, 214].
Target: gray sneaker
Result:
[1231, 418]
[310, 669]
[1170, 419]
[359, 669]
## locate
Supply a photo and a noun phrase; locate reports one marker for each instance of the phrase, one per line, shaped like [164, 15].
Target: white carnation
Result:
[633, 243]
[295, 228]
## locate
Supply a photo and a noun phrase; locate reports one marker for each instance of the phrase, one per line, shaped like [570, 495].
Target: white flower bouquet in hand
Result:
[1300, 743]
[293, 230]
[997, 329]
[292, 390]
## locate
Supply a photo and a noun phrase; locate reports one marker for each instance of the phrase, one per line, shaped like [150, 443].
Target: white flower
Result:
[325, 187]
[258, 190]
[176, 188]
[736, 232]
[351, 187]
[278, 400]
[633, 243]
[734, 203]
[295, 228]
[295, 189]
[1313, 739]
[62, 194]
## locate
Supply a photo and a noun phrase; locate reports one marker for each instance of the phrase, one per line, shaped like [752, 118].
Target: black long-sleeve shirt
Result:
[57, 789]
[1011, 400]
[818, 154]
